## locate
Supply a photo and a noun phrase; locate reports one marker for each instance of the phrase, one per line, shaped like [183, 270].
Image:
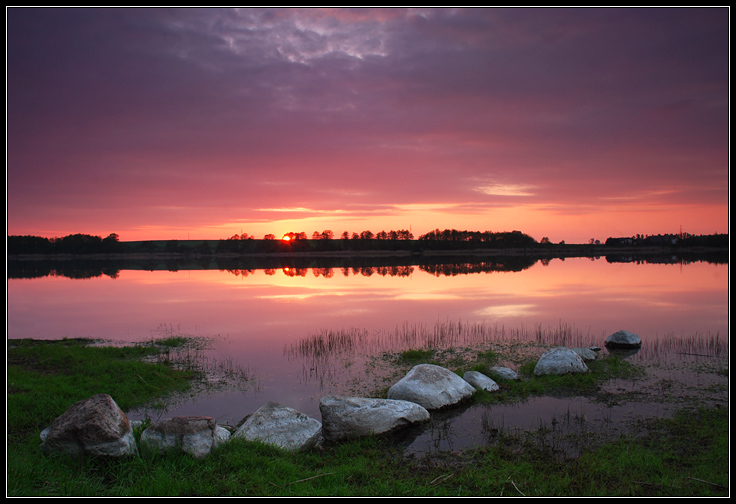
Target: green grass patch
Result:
[44, 378]
[599, 371]
[684, 456]
[416, 356]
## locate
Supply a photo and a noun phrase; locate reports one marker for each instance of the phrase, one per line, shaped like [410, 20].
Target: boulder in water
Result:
[623, 339]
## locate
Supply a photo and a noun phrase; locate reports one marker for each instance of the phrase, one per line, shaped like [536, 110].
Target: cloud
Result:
[506, 190]
[509, 310]
[360, 112]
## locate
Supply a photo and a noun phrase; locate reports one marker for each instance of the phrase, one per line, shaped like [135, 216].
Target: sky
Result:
[570, 124]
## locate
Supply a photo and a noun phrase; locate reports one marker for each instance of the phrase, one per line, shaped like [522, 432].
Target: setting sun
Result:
[286, 238]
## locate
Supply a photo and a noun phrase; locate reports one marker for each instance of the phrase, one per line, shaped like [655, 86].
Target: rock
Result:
[480, 381]
[195, 435]
[623, 339]
[503, 373]
[432, 387]
[350, 417]
[93, 426]
[559, 361]
[281, 426]
[587, 353]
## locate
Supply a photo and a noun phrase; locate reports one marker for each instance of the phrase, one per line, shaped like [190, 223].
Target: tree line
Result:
[454, 235]
[72, 244]
[325, 241]
[327, 234]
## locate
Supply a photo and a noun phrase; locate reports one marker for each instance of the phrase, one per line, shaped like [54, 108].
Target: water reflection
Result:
[311, 327]
[325, 266]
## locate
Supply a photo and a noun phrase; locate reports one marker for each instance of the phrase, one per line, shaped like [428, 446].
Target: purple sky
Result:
[175, 123]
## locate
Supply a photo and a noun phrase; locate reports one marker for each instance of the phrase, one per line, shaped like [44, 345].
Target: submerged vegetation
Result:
[683, 456]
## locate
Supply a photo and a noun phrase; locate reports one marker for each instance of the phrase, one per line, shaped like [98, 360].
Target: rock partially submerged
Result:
[93, 426]
[560, 361]
[350, 417]
[432, 387]
[480, 381]
[195, 435]
[279, 425]
[623, 339]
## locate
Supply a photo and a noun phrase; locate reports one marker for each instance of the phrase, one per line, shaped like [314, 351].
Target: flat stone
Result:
[350, 417]
[503, 373]
[279, 425]
[480, 381]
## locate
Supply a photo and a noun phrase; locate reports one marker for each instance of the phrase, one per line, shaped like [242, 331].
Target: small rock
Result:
[349, 417]
[559, 361]
[503, 373]
[480, 381]
[432, 387]
[195, 435]
[281, 426]
[587, 353]
[623, 339]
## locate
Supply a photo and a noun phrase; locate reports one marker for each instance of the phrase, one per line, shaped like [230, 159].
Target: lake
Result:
[295, 334]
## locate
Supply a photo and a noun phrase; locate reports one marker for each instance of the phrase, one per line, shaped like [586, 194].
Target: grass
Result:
[44, 378]
[683, 456]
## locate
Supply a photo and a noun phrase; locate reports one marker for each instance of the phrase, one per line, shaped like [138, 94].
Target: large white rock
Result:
[350, 417]
[93, 426]
[432, 387]
[480, 381]
[279, 425]
[623, 339]
[560, 361]
[195, 435]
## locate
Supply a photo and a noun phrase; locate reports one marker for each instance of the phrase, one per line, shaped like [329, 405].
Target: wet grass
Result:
[683, 456]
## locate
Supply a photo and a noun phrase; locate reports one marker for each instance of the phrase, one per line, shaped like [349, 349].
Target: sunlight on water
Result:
[301, 333]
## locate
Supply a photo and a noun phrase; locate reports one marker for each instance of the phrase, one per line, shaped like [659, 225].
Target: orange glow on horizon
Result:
[556, 222]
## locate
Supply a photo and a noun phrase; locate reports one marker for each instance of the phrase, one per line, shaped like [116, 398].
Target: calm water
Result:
[269, 324]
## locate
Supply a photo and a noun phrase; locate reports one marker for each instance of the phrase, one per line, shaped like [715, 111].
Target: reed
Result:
[670, 346]
[442, 335]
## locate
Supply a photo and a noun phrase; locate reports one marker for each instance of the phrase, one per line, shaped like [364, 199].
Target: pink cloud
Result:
[148, 119]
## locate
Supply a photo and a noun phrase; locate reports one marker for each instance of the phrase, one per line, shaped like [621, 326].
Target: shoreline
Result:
[560, 251]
